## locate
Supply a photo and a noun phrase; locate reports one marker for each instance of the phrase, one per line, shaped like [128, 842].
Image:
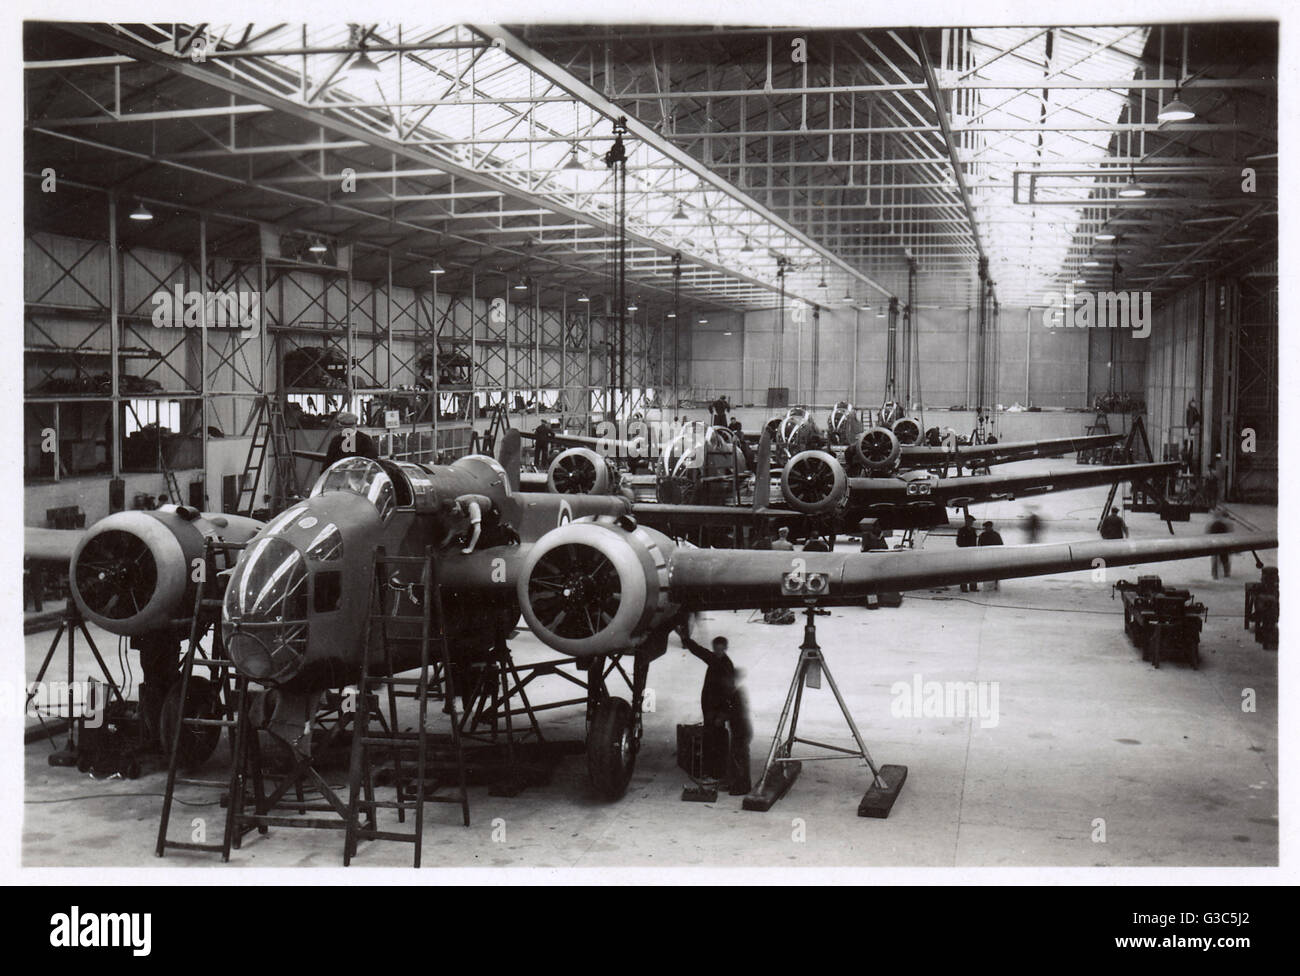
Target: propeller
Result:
[879, 448]
[908, 431]
[813, 482]
[116, 574]
[574, 473]
[575, 591]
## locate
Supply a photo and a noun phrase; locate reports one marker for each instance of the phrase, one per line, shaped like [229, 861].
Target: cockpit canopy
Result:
[360, 476]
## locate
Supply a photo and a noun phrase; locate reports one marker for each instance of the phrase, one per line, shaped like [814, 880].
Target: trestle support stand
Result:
[782, 767]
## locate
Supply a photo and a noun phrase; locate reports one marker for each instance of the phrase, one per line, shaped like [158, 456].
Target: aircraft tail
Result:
[508, 454]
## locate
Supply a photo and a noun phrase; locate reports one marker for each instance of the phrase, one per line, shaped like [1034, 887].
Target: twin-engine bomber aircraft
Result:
[589, 580]
[815, 483]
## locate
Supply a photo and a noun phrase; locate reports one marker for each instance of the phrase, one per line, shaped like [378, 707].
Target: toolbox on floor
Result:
[702, 752]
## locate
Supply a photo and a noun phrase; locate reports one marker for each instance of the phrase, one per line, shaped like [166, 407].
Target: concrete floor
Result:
[1086, 733]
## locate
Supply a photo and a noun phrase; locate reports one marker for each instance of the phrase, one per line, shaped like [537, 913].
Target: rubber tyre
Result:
[611, 749]
[196, 745]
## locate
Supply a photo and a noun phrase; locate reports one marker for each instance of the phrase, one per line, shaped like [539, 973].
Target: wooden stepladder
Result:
[782, 766]
[413, 789]
[215, 700]
[269, 433]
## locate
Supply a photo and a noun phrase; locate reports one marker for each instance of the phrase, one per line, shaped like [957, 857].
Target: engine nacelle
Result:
[813, 482]
[878, 449]
[908, 431]
[132, 572]
[580, 471]
[795, 430]
[843, 426]
[596, 586]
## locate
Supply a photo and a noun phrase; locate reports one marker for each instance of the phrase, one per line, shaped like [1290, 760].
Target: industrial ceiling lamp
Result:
[362, 61]
[1177, 110]
[141, 212]
[437, 269]
[574, 162]
[318, 246]
[632, 306]
[680, 213]
[747, 247]
[847, 299]
[1132, 189]
[523, 284]
[584, 298]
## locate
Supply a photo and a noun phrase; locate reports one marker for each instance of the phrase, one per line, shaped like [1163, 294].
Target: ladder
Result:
[206, 613]
[173, 486]
[269, 430]
[412, 791]
[486, 443]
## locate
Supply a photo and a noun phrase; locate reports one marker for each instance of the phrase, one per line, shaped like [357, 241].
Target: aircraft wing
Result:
[605, 446]
[716, 579]
[958, 492]
[533, 481]
[50, 545]
[982, 455]
[665, 517]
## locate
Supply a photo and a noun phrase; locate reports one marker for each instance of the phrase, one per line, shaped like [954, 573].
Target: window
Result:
[163, 414]
[327, 587]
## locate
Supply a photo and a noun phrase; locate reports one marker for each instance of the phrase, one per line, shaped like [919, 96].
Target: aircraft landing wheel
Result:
[611, 748]
[197, 744]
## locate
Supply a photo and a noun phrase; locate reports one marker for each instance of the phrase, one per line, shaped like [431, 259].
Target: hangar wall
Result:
[1037, 366]
[1217, 341]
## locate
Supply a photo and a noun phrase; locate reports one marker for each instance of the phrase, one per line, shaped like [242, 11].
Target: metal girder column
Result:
[114, 339]
[981, 351]
[908, 336]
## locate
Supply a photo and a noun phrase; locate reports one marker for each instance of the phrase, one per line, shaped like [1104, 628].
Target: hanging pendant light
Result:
[362, 63]
[1176, 111]
[574, 162]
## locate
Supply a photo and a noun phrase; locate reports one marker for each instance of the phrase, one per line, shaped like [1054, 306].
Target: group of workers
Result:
[967, 538]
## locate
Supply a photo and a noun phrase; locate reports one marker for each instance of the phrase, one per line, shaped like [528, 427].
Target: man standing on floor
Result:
[1220, 524]
[1113, 527]
[722, 700]
[991, 537]
[966, 538]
